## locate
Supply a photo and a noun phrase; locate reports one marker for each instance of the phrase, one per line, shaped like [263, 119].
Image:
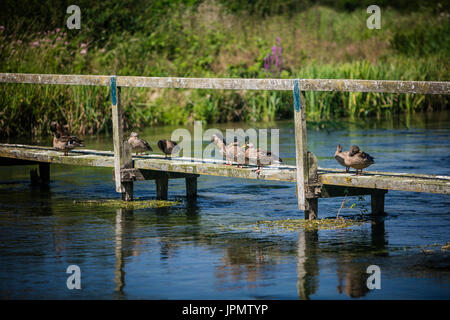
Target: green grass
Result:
[203, 40]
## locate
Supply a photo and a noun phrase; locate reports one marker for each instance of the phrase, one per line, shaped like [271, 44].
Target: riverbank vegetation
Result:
[204, 38]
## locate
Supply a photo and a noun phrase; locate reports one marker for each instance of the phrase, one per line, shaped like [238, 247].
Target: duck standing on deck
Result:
[138, 145]
[235, 153]
[220, 143]
[340, 157]
[62, 140]
[354, 158]
[168, 147]
[261, 156]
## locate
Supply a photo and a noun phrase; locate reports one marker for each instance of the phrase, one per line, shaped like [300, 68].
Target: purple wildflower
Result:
[273, 63]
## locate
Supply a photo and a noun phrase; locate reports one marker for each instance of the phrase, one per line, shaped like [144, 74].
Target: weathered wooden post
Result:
[126, 163]
[312, 199]
[121, 157]
[377, 202]
[162, 185]
[44, 173]
[191, 187]
[309, 205]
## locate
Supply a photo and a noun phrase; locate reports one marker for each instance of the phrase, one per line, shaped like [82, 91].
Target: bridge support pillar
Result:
[377, 202]
[191, 187]
[312, 208]
[127, 187]
[44, 173]
[43, 178]
[162, 186]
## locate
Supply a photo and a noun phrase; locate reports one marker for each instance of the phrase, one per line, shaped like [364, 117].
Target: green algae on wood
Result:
[137, 204]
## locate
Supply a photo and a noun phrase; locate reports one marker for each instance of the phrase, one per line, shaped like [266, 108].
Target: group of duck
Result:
[354, 158]
[245, 154]
[65, 142]
[242, 155]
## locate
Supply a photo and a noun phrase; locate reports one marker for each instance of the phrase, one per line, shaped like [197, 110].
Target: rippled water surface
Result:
[205, 249]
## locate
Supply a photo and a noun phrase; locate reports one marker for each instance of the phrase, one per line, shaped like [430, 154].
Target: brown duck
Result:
[138, 145]
[62, 140]
[354, 158]
[220, 143]
[168, 147]
[340, 157]
[262, 157]
[235, 153]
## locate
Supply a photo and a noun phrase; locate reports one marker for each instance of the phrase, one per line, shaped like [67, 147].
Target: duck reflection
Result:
[167, 223]
[352, 276]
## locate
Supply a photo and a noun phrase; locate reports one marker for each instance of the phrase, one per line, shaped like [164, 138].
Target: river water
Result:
[205, 249]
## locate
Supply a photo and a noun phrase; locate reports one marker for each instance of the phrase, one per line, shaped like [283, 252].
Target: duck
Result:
[340, 157]
[138, 145]
[62, 140]
[168, 147]
[234, 152]
[220, 143]
[261, 156]
[354, 158]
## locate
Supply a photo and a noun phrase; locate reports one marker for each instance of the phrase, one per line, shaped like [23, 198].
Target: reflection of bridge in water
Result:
[247, 262]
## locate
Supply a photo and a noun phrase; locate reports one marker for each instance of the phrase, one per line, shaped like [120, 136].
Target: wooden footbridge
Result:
[312, 181]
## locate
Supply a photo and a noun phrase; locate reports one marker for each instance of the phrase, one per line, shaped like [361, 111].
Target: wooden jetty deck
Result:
[312, 182]
[11, 154]
[329, 182]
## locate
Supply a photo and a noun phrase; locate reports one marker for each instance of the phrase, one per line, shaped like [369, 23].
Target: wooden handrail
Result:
[346, 85]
